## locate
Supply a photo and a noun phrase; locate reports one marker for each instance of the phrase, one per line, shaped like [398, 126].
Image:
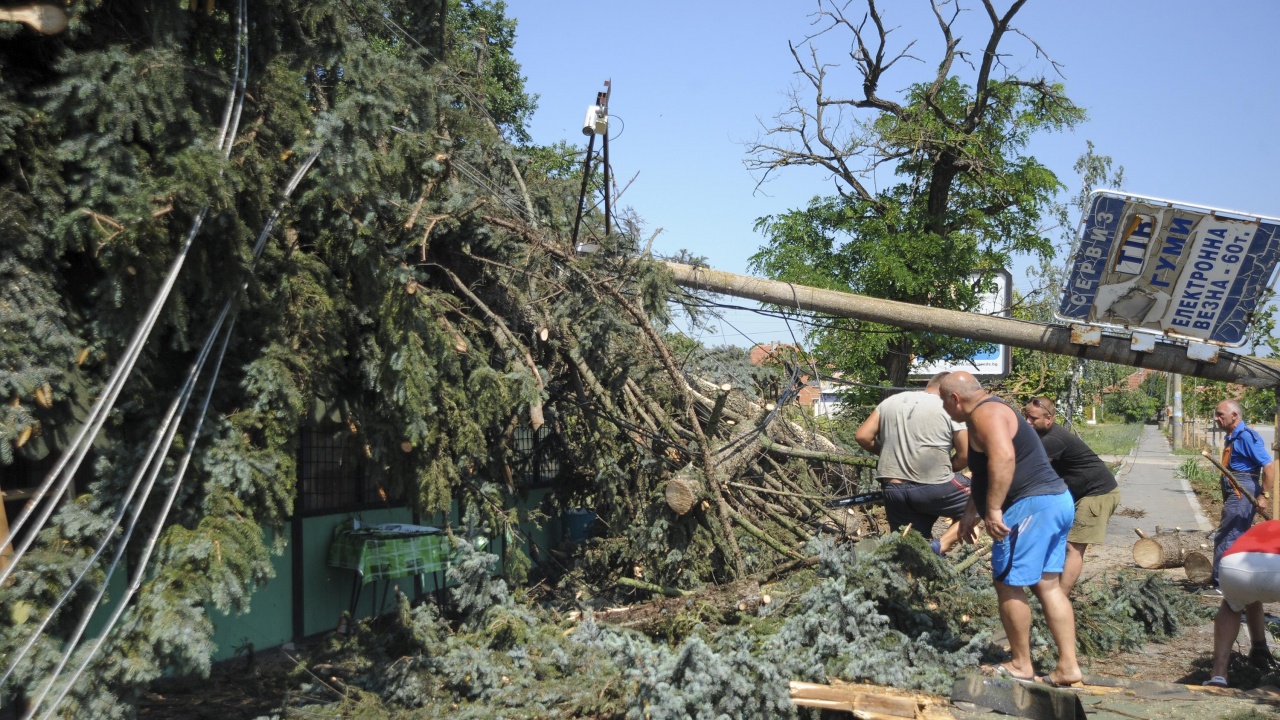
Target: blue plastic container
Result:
[577, 523]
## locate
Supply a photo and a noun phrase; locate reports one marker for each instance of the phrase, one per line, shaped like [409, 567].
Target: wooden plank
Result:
[858, 699]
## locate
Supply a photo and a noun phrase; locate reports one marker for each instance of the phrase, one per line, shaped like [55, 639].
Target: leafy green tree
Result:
[1201, 397]
[1260, 403]
[935, 192]
[1133, 405]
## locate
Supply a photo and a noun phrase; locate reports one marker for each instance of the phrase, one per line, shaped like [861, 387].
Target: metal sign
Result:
[992, 364]
[1165, 267]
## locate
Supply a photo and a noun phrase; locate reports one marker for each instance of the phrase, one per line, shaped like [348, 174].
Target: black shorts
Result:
[921, 504]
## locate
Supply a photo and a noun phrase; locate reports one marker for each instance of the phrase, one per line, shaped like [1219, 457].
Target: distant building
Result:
[818, 397]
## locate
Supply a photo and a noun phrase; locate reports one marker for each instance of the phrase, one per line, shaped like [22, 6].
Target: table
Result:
[375, 555]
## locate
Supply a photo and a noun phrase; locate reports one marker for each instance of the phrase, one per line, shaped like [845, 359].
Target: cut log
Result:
[1199, 567]
[1166, 550]
[866, 701]
[684, 490]
[721, 600]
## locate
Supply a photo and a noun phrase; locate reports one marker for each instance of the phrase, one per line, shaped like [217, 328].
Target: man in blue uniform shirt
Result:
[1245, 455]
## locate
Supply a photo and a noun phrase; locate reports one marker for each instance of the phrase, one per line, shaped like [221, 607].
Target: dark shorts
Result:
[921, 504]
[1092, 514]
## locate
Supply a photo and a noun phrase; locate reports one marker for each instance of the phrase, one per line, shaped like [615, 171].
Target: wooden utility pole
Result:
[1242, 369]
[1275, 453]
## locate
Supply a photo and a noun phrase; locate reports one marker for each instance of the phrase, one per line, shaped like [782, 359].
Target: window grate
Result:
[335, 476]
[534, 455]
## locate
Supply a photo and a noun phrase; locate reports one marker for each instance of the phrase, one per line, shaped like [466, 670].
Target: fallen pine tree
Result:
[885, 611]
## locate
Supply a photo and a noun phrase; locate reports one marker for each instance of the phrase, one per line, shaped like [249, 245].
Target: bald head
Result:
[1228, 415]
[960, 392]
[962, 384]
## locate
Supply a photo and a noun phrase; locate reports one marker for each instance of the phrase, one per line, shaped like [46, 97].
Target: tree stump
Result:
[684, 490]
[1199, 567]
[1166, 550]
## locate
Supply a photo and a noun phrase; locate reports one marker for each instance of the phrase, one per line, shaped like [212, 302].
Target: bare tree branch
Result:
[999, 24]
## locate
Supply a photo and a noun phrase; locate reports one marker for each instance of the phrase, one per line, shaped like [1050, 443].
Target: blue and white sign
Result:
[992, 364]
[1164, 267]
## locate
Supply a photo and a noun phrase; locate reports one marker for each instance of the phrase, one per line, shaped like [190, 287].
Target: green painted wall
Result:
[110, 601]
[327, 591]
[267, 624]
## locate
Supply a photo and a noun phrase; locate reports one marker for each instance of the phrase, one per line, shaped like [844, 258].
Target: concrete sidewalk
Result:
[1149, 481]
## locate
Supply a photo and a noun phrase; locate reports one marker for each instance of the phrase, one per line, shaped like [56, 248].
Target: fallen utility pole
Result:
[1242, 369]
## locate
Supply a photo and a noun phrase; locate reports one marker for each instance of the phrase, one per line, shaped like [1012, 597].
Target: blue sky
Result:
[1183, 94]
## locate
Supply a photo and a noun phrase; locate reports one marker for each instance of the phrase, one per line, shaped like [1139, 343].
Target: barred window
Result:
[534, 455]
[335, 475]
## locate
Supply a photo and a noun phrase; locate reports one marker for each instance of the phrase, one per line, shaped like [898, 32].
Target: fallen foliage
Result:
[883, 611]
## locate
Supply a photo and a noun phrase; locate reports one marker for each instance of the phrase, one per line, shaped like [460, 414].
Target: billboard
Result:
[1169, 268]
[987, 365]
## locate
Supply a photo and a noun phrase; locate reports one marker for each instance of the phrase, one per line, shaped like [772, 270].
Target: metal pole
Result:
[1166, 410]
[582, 194]
[1242, 369]
[1176, 380]
[608, 211]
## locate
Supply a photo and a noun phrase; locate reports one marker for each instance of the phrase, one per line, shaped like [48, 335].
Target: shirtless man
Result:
[1028, 513]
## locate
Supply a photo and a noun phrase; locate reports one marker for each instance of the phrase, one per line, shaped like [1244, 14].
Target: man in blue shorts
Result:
[1028, 513]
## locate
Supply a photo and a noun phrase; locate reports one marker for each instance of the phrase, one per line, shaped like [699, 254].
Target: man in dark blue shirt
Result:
[1245, 455]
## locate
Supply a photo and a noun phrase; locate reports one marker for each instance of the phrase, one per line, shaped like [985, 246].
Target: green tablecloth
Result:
[379, 557]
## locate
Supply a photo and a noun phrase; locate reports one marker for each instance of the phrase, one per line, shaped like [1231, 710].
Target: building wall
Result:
[326, 591]
[269, 620]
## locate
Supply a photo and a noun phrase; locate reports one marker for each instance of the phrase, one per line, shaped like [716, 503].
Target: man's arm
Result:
[1268, 479]
[868, 432]
[990, 425]
[968, 521]
[960, 447]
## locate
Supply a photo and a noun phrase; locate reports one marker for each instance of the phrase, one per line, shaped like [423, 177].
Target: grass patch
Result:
[1205, 482]
[1110, 439]
[1199, 474]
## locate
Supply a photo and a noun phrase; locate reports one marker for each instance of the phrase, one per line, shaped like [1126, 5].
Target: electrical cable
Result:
[184, 463]
[144, 559]
[67, 465]
[64, 471]
[168, 428]
[163, 436]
